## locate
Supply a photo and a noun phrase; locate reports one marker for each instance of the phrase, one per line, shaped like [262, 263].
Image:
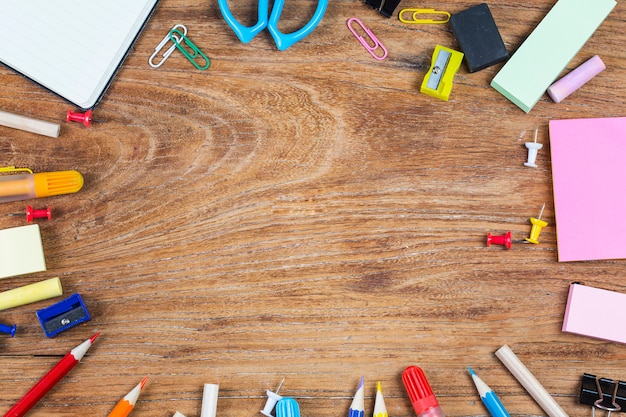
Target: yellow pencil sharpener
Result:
[444, 66]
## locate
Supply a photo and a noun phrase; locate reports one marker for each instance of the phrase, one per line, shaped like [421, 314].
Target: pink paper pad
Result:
[594, 312]
[589, 180]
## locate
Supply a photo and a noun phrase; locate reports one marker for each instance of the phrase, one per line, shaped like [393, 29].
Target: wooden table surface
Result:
[307, 215]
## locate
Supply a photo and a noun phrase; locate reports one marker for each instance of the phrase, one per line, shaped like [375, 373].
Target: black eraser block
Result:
[478, 36]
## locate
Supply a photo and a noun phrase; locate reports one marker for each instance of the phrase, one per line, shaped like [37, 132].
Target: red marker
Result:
[50, 379]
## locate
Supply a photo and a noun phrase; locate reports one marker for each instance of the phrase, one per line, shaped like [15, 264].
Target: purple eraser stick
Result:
[576, 79]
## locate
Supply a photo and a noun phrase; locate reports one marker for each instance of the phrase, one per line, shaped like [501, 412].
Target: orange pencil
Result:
[126, 404]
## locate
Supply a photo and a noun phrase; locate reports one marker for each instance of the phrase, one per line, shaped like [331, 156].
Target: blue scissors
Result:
[270, 21]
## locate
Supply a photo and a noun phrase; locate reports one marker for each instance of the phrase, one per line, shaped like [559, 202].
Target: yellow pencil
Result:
[379, 405]
[126, 404]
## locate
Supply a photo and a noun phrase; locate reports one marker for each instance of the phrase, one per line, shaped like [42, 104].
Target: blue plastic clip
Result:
[63, 315]
[181, 42]
[270, 21]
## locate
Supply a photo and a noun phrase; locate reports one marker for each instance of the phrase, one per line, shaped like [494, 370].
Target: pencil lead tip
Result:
[94, 337]
[471, 371]
[143, 382]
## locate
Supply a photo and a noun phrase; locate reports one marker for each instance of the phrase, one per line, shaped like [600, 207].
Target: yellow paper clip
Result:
[445, 64]
[182, 42]
[443, 17]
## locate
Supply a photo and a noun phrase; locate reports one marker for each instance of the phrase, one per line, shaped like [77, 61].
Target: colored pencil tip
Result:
[378, 388]
[471, 371]
[143, 382]
[94, 337]
[357, 407]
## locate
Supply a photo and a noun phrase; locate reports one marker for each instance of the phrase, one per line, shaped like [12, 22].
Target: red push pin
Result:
[504, 240]
[84, 118]
[32, 214]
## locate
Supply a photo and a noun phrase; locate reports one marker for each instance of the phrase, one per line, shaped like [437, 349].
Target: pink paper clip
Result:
[370, 48]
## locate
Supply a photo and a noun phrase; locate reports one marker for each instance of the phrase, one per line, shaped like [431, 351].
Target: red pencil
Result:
[50, 379]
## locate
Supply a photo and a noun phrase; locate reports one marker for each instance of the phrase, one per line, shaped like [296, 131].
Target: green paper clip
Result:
[182, 39]
[442, 17]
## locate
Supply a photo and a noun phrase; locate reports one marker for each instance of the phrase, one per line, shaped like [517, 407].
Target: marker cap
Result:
[420, 393]
[55, 183]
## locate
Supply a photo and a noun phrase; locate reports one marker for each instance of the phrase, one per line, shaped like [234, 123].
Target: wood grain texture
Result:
[306, 214]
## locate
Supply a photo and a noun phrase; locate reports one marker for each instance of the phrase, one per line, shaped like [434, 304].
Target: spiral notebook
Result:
[73, 48]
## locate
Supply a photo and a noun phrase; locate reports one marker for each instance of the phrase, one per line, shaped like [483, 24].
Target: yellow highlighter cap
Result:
[59, 182]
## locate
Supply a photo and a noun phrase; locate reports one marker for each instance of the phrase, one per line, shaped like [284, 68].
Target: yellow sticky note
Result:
[21, 251]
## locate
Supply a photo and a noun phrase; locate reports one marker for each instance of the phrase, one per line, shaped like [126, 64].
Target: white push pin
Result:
[533, 148]
[272, 399]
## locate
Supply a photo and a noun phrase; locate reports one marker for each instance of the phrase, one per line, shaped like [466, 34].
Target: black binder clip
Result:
[602, 393]
[385, 7]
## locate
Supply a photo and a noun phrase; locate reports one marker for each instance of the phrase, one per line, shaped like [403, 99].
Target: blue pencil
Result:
[357, 408]
[488, 397]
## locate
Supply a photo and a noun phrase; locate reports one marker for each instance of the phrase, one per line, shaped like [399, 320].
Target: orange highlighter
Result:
[26, 185]
[126, 404]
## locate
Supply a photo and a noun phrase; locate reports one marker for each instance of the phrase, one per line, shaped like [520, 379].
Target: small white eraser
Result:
[594, 312]
[209, 400]
[576, 79]
[21, 251]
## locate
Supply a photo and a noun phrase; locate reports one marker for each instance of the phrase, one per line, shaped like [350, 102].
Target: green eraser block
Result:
[549, 48]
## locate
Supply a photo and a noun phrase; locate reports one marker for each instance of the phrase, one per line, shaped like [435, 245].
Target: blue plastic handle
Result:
[285, 40]
[282, 40]
[245, 33]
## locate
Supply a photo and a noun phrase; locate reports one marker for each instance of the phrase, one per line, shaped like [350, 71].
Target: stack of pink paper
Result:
[589, 176]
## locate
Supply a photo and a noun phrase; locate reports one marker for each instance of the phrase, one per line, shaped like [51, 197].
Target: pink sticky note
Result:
[589, 181]
[593, 312]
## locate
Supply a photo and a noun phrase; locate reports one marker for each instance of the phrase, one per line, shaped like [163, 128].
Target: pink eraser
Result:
[594, 312]
[576, 79]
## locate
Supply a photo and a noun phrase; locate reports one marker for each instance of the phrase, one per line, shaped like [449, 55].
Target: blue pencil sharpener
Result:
[63, 315]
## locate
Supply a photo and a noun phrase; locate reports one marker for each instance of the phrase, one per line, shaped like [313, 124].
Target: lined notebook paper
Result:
[71, 47]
